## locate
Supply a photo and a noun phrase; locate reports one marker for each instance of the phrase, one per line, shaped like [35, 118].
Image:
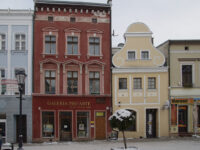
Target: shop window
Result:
[187, 75]
[83, 124]
[133, 124]
[50, 81]
[122, 83]
[137, 83]
[20, 70]
[20, 42]
[131, 55]
[2, 41]
[72, 45]
[50, 44]
[72, 82]
[3, 127]
[94, 46]
[151, 83]
[48, 124]
[145, 55]
[94, 82]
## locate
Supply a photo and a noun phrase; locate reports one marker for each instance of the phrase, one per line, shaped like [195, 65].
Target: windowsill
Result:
[123, 90]
[44, 55]
[73, 55]
[152, 90]
[138, 90]
[19, 51]
[3, 51]
[146, 59]
[131, 59]
[97, 56]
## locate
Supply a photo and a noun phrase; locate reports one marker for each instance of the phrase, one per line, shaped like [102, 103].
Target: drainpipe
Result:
[169, 86]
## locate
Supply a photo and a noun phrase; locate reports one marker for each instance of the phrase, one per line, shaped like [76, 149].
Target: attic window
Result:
[186, 48]
[94, 20]
[50, 18]
[72, 19]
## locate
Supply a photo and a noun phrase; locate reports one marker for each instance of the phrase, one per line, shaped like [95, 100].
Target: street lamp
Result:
[21, 81]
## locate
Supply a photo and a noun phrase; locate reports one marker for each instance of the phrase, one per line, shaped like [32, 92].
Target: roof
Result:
[53, 2]
[138, 27]
[181, 41]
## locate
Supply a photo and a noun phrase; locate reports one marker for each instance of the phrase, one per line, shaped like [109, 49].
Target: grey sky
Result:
[167, 19]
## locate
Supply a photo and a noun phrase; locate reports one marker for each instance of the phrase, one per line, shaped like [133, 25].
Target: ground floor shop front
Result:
[62, 118]
[185, 116]
[151, 121]
[9, 118]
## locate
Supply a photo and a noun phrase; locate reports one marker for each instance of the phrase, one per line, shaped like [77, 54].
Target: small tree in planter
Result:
[122, 119]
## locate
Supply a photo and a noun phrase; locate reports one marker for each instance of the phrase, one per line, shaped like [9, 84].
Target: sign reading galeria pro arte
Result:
[70, 104]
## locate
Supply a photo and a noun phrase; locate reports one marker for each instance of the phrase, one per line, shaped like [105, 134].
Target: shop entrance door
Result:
[24, 128]
[182, 119]
[100, 126]
[151, 123]
[65, 126]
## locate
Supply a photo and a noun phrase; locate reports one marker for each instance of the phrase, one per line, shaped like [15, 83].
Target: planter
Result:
[122, 148]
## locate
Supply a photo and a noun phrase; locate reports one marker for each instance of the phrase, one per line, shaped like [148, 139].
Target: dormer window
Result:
[145, 55]
[131, 55]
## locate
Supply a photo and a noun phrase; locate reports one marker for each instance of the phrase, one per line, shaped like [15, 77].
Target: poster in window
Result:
[81, 126]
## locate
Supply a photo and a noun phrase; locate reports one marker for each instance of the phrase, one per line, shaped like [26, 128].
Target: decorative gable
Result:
[138, 50]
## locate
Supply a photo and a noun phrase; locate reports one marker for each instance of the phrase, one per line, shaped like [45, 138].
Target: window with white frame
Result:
[50, 44]
[2, 73]
[131, 55]
[72, 45]
[94, 82]
[122, 83]
[187, 75]
[50, 82]
[151, 83]
[2, 41]
[145, 55]
[72, 82]
[137, 83]
[20, 41]
[94, 46]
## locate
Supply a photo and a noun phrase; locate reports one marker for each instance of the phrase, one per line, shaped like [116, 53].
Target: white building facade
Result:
[15, 55]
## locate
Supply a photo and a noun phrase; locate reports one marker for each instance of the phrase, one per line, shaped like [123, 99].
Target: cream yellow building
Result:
[183, 59]
[140, 83]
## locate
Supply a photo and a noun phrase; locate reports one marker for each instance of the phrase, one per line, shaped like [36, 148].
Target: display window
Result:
[48, 124]
[82, 124]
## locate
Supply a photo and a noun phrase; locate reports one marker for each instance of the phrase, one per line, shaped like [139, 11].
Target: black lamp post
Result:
[21, 81]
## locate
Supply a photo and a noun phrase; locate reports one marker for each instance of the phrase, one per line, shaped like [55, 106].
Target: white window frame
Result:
[193, 71]
[20, 41]
[144, 51]
[132, 51]
[1, 40]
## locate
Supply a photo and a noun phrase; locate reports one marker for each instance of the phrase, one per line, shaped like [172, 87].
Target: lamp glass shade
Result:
[20, 75]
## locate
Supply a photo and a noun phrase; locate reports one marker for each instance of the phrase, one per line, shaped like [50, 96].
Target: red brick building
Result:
[72, 76]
